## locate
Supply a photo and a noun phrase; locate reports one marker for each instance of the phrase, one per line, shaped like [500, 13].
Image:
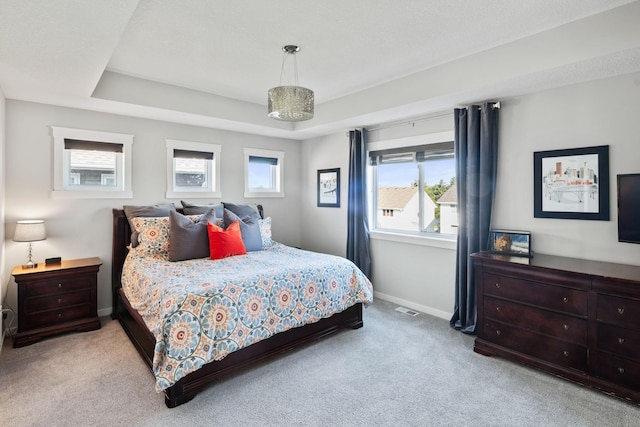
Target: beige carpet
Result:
[397, 370]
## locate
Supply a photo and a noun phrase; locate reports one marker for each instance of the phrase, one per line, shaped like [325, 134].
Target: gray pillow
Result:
[190, 209]
[243, 211]
[145, 211]
[188, 239]
[249, 228]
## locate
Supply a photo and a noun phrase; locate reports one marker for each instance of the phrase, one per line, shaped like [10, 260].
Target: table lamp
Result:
[30, 231]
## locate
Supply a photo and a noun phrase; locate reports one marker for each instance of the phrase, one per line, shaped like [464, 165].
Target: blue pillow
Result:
[249, 228]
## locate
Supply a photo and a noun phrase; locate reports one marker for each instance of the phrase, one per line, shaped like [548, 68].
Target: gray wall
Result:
[603, 112]
[82, 228]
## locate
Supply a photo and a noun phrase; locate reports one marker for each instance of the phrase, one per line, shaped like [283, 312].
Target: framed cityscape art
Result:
[572, 183]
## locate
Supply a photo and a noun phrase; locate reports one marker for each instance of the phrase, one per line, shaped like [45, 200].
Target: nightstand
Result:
[56, 298]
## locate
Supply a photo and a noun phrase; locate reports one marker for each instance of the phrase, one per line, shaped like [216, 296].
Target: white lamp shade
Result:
[30, 231]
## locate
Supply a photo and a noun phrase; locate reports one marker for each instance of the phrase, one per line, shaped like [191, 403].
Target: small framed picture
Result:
[508, 242]
[329, 188]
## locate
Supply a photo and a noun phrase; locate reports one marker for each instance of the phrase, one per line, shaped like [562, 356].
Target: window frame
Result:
[213, 173]
[416, 237]
[278, 173]
[61, 165]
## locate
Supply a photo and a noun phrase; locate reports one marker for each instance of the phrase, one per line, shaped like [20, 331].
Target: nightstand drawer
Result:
[619, 341]
[544, 348]
[618, 311]
[53, 317]
[36, 304]
[56, 286]
[557, 298]
[557, 325]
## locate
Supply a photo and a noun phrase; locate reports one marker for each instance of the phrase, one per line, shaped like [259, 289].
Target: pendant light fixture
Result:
[290, 103]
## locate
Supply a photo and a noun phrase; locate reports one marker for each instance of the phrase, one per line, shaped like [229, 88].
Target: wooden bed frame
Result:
[187, 387]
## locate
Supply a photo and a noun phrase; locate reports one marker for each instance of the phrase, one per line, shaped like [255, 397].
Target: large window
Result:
[263, 173]
[414, 188]
[193, 169]
[91, 164]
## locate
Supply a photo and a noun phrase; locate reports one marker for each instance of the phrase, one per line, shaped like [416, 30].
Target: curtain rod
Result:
[413, 122]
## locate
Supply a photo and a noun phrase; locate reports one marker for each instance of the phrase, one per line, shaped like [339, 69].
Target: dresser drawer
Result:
[618, 311]
[557, 352]
[557, 298]
[56, 286]
[619, 370]
[54, 317]
[36, 304]
[620, 341]
[557, 325]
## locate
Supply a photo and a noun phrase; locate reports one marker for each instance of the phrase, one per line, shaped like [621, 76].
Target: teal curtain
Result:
[476, 148]
[357, 219]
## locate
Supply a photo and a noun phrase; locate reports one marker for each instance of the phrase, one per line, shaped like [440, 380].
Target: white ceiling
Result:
[211, 62]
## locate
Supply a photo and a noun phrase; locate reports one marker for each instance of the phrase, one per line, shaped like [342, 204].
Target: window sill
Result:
[421, 240]
[65, 194]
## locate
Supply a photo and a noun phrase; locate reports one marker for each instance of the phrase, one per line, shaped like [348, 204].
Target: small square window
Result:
[91, 164]
[263, 173]
[193, 169]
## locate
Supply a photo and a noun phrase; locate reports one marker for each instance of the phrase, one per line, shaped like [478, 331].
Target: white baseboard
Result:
[412, 305]
[105, 312]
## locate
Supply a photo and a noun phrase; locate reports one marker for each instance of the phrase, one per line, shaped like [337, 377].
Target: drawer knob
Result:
[621, 340]
[59, 300]
[498, 309]
[59, 315]
[566, 327]
[621, 370]
[565, 353]
[59, 285]
[498, 332]
[498, 285]
[620, 310]
[565, 299]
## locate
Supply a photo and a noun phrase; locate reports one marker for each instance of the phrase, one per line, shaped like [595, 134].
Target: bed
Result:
[216, 344]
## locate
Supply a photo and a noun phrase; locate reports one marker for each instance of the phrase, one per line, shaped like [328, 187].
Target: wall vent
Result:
[407, 311]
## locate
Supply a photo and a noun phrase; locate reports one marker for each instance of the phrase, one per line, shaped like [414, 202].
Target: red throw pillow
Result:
[225, 243]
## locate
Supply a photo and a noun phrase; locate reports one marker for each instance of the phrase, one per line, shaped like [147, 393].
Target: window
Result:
[263, 173]
[91, 164]
[193, 169]
[414, 187]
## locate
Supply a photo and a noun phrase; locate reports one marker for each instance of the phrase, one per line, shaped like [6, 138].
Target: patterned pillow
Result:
[153, 235]
[265, 232]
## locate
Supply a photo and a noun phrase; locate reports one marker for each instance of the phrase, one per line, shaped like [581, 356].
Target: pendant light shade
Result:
[290, 103]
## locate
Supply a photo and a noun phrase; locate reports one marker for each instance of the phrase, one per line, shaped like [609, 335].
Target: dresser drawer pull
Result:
[566, 327]
[565, 299]
[565, 353]
[59, 315]
[498, 309]
[621, 370]
[498, 285]
[621, 340]
[620, 310]
[498, 332]
[59, 285]
[59, 300]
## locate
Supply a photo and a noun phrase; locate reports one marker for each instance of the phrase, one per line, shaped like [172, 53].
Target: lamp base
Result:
[29, 265]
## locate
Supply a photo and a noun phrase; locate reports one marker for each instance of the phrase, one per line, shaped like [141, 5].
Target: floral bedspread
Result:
[201, 310]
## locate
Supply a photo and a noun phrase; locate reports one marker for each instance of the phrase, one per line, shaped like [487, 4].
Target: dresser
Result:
[574, 318]
[56, 298]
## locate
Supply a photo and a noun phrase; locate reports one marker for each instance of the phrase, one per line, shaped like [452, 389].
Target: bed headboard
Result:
[121, 240]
